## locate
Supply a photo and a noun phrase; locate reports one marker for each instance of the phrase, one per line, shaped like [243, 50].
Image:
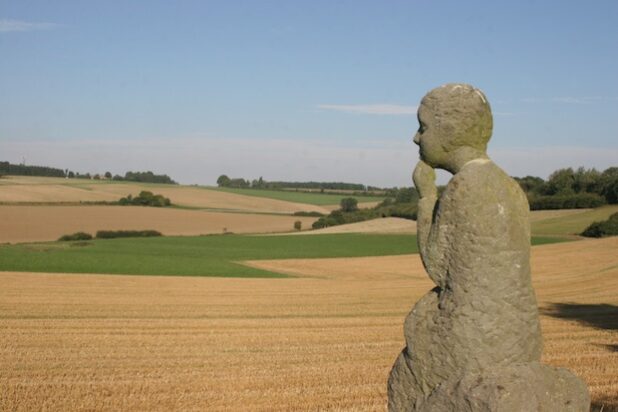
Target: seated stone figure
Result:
[478, 330]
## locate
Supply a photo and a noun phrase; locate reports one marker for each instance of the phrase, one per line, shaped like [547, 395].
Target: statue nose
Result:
[417, 139]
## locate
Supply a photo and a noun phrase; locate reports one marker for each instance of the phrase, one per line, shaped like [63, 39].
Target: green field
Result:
[318, 199]
[572, 224]
[197, 256]
[546, 240]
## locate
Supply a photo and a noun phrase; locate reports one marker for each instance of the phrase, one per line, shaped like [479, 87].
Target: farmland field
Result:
[240, 322]
[45, 223]
[198, 256]
[320, 199]
[32, 190]
[27, 189]
[193, 256]
[325, 339]
[568, 222]
[381, 225]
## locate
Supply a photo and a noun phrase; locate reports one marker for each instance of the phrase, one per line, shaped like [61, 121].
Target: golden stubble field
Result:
[324, 340]
[43, 223]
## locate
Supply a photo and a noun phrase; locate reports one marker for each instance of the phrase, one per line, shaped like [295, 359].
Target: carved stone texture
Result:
[474, 241]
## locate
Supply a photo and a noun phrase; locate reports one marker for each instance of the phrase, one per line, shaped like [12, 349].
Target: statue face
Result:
[430, 140]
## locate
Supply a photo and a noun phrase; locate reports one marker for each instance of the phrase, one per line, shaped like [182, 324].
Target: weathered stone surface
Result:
[475, 245]
[515, 388]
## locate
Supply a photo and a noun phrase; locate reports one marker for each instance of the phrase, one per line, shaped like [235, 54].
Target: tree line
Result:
[564, 189]
[572, 189]
[225, 181]
[7, 168]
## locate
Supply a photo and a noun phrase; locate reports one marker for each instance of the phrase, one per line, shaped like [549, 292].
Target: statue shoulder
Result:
[483, 180]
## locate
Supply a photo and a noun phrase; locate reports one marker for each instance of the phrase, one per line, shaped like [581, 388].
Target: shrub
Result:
[605, 228]
[309, 214]
[402, 210]
[112, 234]
[319, 224]
[298, 225]
[75, 236]
[145, 198]
[348, 204]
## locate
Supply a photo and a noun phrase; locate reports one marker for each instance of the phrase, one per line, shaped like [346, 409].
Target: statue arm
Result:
[431, 234]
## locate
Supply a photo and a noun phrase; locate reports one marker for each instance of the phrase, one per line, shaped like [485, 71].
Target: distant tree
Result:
[258, 183]
[22, 169]
[97, 177]
[148, 177]
[239, 183]
[586, 180]
[223, 181]
[108, 175]
[348, 204]
[530, 184]
[75, 236]
[406, 195]
[71, 174]
[298, 225]
[560, 182]
[608, 185]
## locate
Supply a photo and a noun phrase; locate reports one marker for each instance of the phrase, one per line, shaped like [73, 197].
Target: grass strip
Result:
[193, 256]
[200, 255]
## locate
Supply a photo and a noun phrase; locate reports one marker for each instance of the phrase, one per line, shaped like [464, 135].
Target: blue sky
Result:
[294, 90]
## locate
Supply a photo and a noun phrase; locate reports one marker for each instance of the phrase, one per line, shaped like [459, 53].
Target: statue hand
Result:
[424, 178]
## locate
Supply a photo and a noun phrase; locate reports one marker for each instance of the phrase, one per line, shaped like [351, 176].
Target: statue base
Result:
[529, 387]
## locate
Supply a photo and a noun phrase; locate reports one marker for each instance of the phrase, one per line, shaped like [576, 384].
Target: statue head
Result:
[455, 125]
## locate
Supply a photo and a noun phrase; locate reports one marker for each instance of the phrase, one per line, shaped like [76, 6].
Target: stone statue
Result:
[474, 341]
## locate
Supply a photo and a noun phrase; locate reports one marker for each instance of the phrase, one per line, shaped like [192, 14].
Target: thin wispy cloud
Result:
[7, 26]
[376, 109]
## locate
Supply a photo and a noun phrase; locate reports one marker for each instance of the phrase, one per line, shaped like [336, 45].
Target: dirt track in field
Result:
[42, 223]
[40, 190]
[323, 341]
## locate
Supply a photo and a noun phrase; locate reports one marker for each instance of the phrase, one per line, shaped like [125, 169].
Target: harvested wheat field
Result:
[322, 341]
[50, 193]
[212, 199]
[19, 189]
[41, 223]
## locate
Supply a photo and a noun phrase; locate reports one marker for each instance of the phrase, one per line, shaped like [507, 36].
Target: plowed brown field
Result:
[42, 223]
[323, 341]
